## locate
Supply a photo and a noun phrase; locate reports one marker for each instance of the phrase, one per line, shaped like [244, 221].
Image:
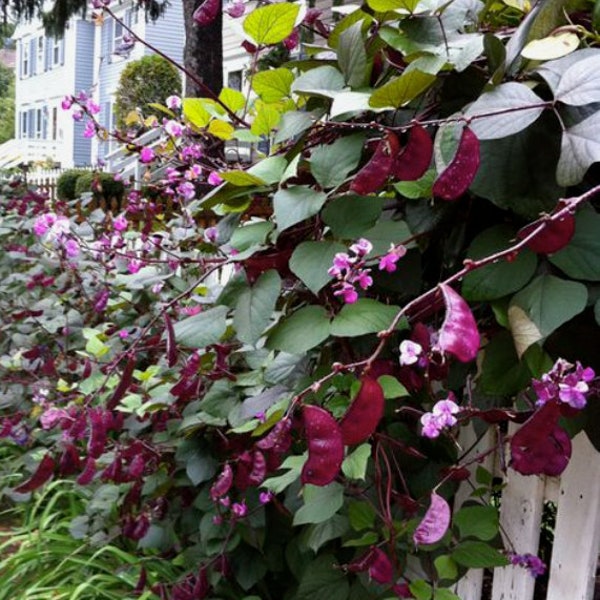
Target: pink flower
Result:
[67, 102]
[211, 234]
[120, 223]
[363, 279]
[214, 178]
[186, 190]
[173, 128]
[147, 155]
[92, 107]
[361, 247]
[348, 293]
[409, 352]
[235, 9]
[77, 115]
[90, 129]
[123, 334]
[71, 247]
[388, 262]
[341, 262]
[52, 416]
[265, 497]
[174, 102]
[441, 416]
[430, 428]
[292, 40]
[134, 265]
[239, 509]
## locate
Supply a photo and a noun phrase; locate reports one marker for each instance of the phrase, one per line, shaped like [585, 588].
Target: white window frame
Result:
[39, 123]
[56, 42]
[23, 118]
[40, 56]
[25, 58]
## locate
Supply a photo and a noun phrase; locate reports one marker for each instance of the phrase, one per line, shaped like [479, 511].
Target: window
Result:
[117, 35]
[54, 122]
[56, 44]
[23, 129]
[39, 55]
[234, 80]
[25, 58]
[39, 123]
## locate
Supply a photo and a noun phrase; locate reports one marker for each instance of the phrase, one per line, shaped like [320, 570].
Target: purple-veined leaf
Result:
[381, 569]
[207, 12]
[458, 335]
[171, 343]
[121, 389]
[435, 523]
[412, 163]
[365, 412]
[223, 483]
[375, 173]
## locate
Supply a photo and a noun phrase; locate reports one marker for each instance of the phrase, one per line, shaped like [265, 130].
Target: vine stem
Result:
[566, 206]
[205, 89]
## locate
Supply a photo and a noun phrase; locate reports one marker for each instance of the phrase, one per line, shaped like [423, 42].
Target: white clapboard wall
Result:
[577, 531]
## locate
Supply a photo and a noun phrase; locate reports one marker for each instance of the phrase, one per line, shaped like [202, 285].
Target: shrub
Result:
[102, 185]
[67, 182]
[143, 82]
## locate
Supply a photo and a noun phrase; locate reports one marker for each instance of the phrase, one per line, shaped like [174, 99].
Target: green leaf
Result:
[355, 464]
[199, 465]
[266, 120]
[320, 503]
[367, 539]
[522, 107]
[241, 178]
[392, 388]
[420, 589]
[330, 164]
[580, 83]
[446, 567]
[542, 307]
[361, 514]
[421, 188]
[445, 594]
[402, 90]
[386, 232]
[293, 465]
[233, 99]
[352, 56]
[501, 278]
[271, 24]
[364, 316]
[579, 259]
[270, 169]
[202, 329]
[250, 234]
[477, 521]
[350, 103]
[356, 16]
[320, 534]
[502, 373]
[195, 112]
[311, 260]
[273, 85]
[303, 330]
[551, 47]
[580, 148]
[478, 555]
[255, 306]
[350, 216]
[293, 123]
[388, 5]
[322, 81]
[321, 581]
[294, 204]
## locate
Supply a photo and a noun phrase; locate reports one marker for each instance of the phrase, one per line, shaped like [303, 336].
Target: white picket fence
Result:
[572, 571]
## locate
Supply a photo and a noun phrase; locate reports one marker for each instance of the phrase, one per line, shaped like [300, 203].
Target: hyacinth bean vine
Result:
[275, 403]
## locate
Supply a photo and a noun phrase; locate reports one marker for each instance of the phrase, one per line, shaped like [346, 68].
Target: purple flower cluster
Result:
[440, 417]
[350, 271]
[55, 231]
[565, 383]
[528, 561]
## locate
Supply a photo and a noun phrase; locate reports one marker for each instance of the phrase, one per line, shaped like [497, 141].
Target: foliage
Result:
[101, 185]
[65, 184]
[276, 403]
[142, 83]
[7, 104]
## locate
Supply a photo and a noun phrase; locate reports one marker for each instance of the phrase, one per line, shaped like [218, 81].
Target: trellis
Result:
[572, 571]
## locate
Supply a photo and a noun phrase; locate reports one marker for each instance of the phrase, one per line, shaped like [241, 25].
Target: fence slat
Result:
[577, 532]
[471, 585]
[520, 517]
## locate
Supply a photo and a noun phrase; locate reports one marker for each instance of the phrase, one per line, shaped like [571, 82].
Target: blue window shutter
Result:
[47, 54]
[20, 58]
[45, 122]
[32, 57]
[62, 51]
[31, 123]
[107, 29]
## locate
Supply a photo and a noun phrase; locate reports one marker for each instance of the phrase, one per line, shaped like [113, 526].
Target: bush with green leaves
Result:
[276, 403]
[66, 184]
[142, 83]
[101, 185]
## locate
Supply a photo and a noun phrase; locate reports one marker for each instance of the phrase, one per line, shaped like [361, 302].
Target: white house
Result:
[48, 69]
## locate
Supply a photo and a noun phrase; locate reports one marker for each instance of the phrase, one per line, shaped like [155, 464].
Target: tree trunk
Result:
[203, 52]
